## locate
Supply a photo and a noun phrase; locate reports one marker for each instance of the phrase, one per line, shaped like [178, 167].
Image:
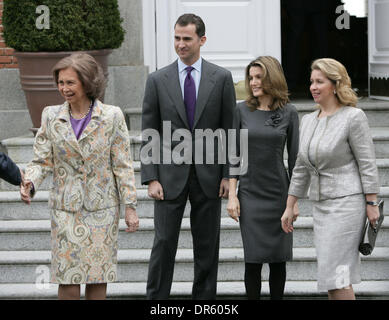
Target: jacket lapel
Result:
[207, 84]
[94, 122]
[172, 84]
[65, 127]
[307, 138]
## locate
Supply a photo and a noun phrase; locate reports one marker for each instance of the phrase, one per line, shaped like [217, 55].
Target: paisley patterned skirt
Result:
[84, 246]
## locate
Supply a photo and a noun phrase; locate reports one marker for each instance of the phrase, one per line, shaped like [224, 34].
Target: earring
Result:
[334, 92]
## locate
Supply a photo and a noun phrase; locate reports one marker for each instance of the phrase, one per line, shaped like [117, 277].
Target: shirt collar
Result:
[197, 65]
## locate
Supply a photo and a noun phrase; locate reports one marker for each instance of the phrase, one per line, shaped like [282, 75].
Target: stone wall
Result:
[7, 60]
[127, 75]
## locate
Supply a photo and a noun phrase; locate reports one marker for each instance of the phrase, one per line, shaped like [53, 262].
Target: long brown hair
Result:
[273, 83]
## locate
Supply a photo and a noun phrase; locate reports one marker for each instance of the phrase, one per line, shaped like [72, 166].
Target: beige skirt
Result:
[84, 246]
[337, 226]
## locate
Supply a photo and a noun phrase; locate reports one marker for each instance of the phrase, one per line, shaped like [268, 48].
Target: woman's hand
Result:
[296, 212]
[25, 191]
[287, 220]
[131, 219]
[233, 208]
[373, 214]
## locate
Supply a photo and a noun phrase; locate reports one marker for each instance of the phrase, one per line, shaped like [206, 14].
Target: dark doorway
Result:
[309, 32]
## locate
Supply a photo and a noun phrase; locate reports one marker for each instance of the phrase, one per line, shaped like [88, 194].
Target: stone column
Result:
[127, 76]
[127, 72]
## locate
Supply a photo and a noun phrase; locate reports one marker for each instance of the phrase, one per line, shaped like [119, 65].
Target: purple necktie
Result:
[190, 96]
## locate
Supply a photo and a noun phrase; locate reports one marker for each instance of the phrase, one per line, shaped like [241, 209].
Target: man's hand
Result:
[155, 190]
[224, 188]
[22, 176]
[131, 219]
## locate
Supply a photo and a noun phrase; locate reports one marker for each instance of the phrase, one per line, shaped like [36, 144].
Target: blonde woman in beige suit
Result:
[337, 161]
[85, 144]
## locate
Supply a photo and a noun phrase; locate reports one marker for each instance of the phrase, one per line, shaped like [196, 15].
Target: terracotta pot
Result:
[38, 82]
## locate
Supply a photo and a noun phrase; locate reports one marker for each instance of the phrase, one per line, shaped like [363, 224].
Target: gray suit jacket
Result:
[345, 156]
[163, 101]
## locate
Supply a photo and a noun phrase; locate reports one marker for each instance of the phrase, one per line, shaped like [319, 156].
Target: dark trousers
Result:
[205, 228]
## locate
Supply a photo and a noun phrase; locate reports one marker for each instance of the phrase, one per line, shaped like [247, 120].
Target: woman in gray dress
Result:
[271, 123]
[337, 161]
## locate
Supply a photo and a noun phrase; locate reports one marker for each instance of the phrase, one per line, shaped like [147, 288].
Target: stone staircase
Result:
[25, 235]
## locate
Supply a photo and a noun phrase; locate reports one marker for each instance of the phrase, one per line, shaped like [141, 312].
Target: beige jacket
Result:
[345, 156]
[95, 172]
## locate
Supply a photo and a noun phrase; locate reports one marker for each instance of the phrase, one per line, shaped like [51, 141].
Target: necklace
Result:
[70, 111]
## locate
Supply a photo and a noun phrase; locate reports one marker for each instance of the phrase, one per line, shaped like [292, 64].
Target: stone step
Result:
[125, 290]
[26, 266]
[375, 110]
[12, 208]
[20, 149]
[382, 164]
[35, 234]
[47, 183]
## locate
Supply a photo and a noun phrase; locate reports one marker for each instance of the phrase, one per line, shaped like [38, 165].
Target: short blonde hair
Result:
[337, 74]
[273, 82]
[89, 73]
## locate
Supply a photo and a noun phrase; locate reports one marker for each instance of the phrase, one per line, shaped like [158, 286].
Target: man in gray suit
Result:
[189, 94]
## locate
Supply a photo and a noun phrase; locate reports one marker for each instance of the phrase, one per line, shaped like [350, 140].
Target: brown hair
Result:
[337, 74]
[190, 18]
[273, 83]
[88, 70]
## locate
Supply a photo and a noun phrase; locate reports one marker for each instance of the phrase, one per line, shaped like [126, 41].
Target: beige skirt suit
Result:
[91, 177]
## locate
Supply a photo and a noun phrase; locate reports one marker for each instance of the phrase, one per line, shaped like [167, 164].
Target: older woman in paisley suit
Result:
[85, 145]
[336, 160]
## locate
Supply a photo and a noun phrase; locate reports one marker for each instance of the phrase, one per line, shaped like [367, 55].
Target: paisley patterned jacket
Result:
[95, 172]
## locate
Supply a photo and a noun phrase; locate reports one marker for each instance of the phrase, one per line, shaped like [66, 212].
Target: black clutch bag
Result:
[369, 233]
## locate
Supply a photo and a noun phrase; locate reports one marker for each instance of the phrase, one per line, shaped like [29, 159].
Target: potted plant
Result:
[43, 32]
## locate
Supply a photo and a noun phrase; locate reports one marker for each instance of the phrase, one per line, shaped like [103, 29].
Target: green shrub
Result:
[74, 25]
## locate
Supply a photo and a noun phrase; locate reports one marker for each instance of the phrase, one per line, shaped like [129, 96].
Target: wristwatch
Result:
[373, 203]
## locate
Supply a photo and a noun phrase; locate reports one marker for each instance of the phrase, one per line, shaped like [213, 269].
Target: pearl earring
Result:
[334, 92]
